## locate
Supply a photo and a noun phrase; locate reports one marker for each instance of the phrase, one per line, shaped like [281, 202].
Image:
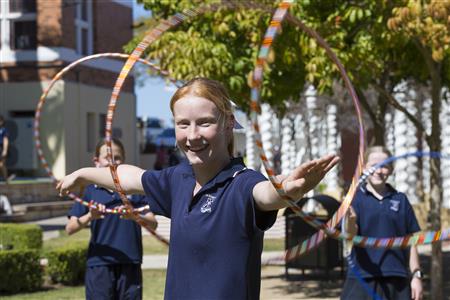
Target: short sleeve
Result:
[357, 208]
[139, 201]
[79, 209]
[157, 190]
[412, 225]
[255, 219]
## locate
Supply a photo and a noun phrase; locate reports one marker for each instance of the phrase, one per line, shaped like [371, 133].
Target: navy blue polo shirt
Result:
[391, 216]
[113, 240]
[3, 134]
[216, 237]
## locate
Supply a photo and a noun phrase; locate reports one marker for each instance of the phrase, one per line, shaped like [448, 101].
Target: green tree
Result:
[377, 42]
[426, 24]
[223, 44]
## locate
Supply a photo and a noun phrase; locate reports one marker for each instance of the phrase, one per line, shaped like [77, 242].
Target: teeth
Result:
[197, 149]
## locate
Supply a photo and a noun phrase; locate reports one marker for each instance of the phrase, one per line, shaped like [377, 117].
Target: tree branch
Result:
[398, 106]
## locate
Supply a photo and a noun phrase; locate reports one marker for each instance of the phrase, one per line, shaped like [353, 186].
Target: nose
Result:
[193, 132]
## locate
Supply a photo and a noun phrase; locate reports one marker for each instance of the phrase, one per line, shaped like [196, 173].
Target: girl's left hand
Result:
[305, 177]
[416, 289]
[128, 216]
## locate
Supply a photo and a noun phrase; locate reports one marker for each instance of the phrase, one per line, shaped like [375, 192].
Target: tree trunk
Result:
[434, 142]
[420, 189]
[435, 222]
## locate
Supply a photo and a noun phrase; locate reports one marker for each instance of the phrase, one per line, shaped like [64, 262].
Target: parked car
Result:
[166, 138]
[153, 128]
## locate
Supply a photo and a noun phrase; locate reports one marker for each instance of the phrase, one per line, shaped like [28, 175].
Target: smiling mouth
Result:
[197, 148]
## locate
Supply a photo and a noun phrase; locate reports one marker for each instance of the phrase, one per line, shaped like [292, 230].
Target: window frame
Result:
[81, 24]
[7, 20]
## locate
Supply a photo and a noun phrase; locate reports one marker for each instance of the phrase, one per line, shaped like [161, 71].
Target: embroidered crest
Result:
[207, 207]
[395, 205]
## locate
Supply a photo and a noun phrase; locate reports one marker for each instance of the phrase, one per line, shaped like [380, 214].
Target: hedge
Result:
[67, 265]
[20, 236]
[20, 270]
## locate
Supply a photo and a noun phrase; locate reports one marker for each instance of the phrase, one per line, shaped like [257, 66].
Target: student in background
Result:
[4, 147]
[379, 210]
[114, 256]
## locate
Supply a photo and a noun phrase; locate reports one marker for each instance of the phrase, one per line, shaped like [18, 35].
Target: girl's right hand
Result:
[99, 212]
[351, 218]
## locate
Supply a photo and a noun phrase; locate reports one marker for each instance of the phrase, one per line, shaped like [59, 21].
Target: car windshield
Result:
[153, 123]
[169, 132]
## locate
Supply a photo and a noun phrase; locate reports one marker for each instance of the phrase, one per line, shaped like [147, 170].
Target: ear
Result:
[95, 161]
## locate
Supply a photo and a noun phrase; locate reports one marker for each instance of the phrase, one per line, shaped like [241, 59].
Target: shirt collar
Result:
[231, 170]
[234, 167]
[390, 190]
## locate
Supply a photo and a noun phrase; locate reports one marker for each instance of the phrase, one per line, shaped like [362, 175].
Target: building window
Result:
[18, 27]
[22, 6]
[23, 35]
[83, 27]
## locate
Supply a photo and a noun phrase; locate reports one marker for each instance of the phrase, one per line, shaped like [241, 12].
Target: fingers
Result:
[328, 162]
[59, 187]
[413, 294]
[351, 212]
[101, 208]
[324, 164]
[332, 163]
[303, 169]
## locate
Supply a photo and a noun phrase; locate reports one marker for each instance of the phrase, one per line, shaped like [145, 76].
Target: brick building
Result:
[38, 38]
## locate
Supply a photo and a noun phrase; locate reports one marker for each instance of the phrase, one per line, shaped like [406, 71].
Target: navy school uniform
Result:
[115, 249]
[391, 216]
[216, 237]
[384, 270]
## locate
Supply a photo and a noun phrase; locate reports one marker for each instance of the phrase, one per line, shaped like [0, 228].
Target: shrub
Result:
[20, 271]
[67, 265]
[20, 236]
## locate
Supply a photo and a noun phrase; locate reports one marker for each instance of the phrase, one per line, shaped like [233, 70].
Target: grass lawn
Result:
[153, 284]
[274, 245]
[149, 243]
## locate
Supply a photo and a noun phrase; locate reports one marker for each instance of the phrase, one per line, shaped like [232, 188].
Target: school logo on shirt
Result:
[395, 205]
[207, 207]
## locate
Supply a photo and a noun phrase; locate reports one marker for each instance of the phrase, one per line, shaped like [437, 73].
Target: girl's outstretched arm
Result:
[129, 176]
[303, 179]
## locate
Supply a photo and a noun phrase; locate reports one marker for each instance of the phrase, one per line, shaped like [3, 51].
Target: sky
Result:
[153, 96]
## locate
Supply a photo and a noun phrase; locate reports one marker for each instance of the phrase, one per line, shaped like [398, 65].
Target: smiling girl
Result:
[219, 209]
[379, 210]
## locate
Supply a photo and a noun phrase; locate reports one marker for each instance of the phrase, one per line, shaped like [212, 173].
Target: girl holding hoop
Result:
[219, 209]
[379, 210]
[114, 258]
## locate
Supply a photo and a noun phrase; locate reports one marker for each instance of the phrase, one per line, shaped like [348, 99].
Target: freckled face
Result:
[200, 131]
[102, 160]
[381, 175]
